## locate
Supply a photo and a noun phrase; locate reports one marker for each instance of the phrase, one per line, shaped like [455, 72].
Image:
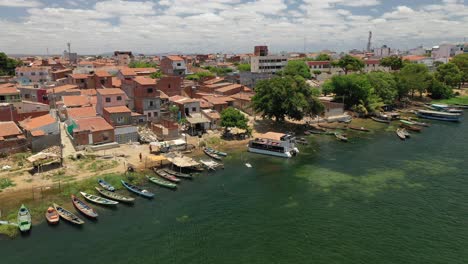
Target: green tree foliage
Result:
[323, 57]
[199, 75]
[8, 65]
[385, 86]
[219, 71]
[449, 74]
[355, 88]
[461, 61]
[349, 63]
[156, 75]
[244, 67]
[231, 117]
[394, 62]
[142, 64]
[174, 110]
[317, 73]
[413, 78]
[297, 67]
[327, 87]
[439, 90]
[282, 97]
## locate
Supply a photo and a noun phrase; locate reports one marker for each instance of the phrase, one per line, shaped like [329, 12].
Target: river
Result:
[375, 199]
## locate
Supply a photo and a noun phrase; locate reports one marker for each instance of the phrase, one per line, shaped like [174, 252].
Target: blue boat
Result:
[137, 190]
[106, 185]
[442, 116]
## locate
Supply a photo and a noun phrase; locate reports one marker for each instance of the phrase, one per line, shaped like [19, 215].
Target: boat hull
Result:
[271, 153]
[147, 195]
[448, 119]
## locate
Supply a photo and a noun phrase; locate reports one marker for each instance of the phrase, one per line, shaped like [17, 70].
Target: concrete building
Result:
[382, 52]
[109, 97]
[268, 64]
[32, 75]
[123, 58]
[147, 98]
[42, 132]
[173, 65]
[9, 94]
[12, 139]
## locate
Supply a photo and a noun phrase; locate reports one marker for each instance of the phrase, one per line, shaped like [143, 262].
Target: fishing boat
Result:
[137, 190]
[179, 174]
[106, 185]
[376, 119]
[416, 122]
[446, 108]
[98, 199]
[462, 106]
[114, 196]
[217, 152]
[307, 132]
[341, 137]
[317, 132]
[363, 129]
[24, 219]
[407, 122]
[83, 207]
[161, 182]
[437, 115]
[52, 216]
[407, 134]
[411, 127]
[167, 176]
[210, 164]
[211, 154]
[67, 215]
[302, 141]
[400, 133]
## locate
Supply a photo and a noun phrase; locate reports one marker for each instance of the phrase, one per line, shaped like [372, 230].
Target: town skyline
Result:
[161, 27]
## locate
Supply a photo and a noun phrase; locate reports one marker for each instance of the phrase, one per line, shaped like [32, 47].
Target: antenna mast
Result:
[369, 42]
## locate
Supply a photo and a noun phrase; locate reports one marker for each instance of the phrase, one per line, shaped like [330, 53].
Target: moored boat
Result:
[341, 137]
[211, 154]
[98, 199]
[302, 141]
[24, 219]
[400, 133]
[407, 134]
[210, 164]
[217, 152]
[446, 108]
[83, 207]
[161, 182]
[376, 119]
[137, 190]
[106, 185]
[67, 215]
[274, 144]
[178, 174]
[359, 128]
[114, 196]
[411, 127]
[407, 122]
[166, 175]
[52, 216]
[437, 115]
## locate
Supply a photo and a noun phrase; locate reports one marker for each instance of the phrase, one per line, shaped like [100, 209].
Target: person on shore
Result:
[141, 157]
[151, 149]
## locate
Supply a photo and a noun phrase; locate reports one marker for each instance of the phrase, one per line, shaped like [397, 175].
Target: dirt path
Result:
[68, 148]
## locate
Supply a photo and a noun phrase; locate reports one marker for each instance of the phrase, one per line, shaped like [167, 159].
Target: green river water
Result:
[373, 200]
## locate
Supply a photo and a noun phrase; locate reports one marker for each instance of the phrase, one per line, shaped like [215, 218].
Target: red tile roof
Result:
[37, 133]
[317, 63]
[8, 129]
[79, 76]
[110, 91]
[116, 82]
[91, 92]
[372, 61]
[174, 58]
[76, 100]
[243, 96]
[92, 124]
[135, 71]
[37, 122]
[81, 112]
[62, 88]
[205, 104]
[117, 109]
[102, 74]
[9, 90]
[414, 58]
[229, 88]
[144, 80]
[213, 81]
[217, 100]
[181, 99]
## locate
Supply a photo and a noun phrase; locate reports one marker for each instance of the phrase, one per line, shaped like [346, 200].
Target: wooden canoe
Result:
[380, 120]
[98, 199]
[52, 216]
[83, 207]
[217, 152]
[114, 196]
[67, 215]
[179, 174]
[106, 185]
[167, 176]
[400, 134]
[137, 190]
[161, 182]
[412, 128]
[363, 129]
[24, 219]
[211, 154]
[341, 137]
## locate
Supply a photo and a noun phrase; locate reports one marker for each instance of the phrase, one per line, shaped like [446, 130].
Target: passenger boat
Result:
[83, 207]
[178, 174]
[52, 216]
[400, 133]
[137, 190]
[446, 108]
[341, 137]
[161, 182]
[363, 129]
[437, 115]
[274, 144]
[106, 185]
[24, 219]
[211, 154]
[411, 127]
[217, 152]
[380, 120]
[114, 196]
[67, 215]
[167, 176]
[98, 199]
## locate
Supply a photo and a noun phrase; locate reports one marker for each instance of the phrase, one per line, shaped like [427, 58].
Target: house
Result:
[214, 117]
[187, 106]
[12, 139]
[80, 112]
[166, 129]
[230, 89]
[20, 111]
[42, 132]
[123, 57]
[30, 75]
[170, 85]
[242, 101]
[83, 81]
[219, 102]
[146, 97]
[55, 94]
[108, 98]
[102, 79]
[120, 117]
[9, 94]
[60, 74]
[374, 65]
[173, 65]
[91, 131]
[72, 101]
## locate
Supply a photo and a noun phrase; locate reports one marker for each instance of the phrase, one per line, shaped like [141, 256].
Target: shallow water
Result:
[373, 200]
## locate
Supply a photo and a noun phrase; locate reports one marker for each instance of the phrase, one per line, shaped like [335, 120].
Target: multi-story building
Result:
[123, 57]
[261, 51]
[173, 65]
[31, 75]
[9, 94]
[382, 52]
[109, 97]
[268, 64]
[146, 97]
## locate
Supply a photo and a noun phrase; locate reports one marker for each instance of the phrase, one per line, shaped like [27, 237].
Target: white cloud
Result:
[20, 3]
[118, 7]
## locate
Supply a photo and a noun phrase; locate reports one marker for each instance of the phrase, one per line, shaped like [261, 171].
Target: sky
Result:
[227, 26]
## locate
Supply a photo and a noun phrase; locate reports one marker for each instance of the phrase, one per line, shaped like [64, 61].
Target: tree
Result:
[156, 75]
[449, 74]
[385, 86]
[394, 62]
[349, 63]
[142, 64]
[355, 88]
[297, 67]
[174, 110]
[244, 67]
[413, 78]
[8, 65]
[323, 57]
[327, 88]
[231, 117]
[317, 73]
[439, 90]
[461, 61]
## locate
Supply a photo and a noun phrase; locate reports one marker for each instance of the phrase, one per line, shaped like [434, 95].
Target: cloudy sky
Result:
[32, 26]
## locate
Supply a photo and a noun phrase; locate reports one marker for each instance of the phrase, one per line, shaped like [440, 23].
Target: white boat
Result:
[274, 144]
[210, 164]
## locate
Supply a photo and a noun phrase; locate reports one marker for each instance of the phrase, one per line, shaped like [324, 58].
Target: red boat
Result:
[167, 176]
[52, 216]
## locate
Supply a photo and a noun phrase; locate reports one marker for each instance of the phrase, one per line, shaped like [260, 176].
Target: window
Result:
[120, 119]
[151, 103]
[21, 74]
[169, 86]
[149, 114]
[108, 99]
[33, 73]
[149, 90]
[194, 109]
[41, 73]
[103, 82]
[119, 98]
[178, 64]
